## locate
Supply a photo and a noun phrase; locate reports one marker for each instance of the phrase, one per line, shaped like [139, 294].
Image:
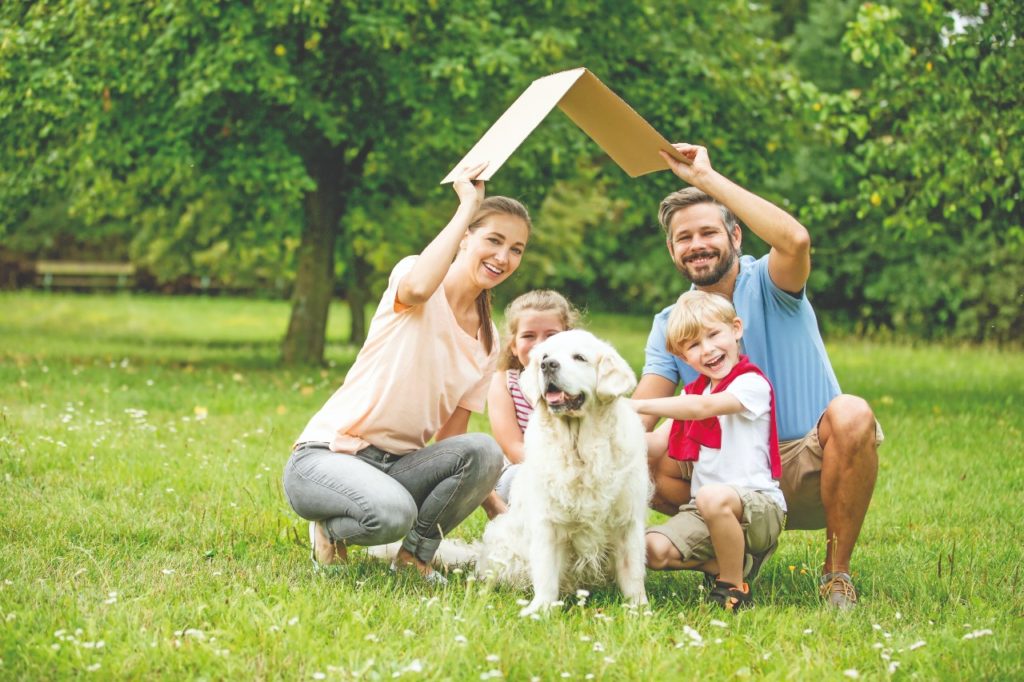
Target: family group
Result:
[760, 439]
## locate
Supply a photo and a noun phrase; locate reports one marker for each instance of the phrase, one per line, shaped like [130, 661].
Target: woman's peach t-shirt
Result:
[416, 367]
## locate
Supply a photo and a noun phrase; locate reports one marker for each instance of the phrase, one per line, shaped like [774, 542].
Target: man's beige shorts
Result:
[801, 479]
[762, 523]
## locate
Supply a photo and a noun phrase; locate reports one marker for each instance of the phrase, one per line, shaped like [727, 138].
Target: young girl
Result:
[362, 472]
[529, 319]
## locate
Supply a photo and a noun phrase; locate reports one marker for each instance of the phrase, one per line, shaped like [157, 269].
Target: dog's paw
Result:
[639, 600]
[536, 607]
[636, 596]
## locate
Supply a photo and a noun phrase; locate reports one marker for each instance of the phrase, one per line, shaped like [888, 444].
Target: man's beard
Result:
[712, 277]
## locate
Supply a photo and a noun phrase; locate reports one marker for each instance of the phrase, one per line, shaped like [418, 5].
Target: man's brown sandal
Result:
[837, 590]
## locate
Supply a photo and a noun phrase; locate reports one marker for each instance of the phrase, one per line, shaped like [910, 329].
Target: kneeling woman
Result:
[362, 471]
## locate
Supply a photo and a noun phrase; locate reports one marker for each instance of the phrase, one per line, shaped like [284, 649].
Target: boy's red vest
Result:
[687, 435]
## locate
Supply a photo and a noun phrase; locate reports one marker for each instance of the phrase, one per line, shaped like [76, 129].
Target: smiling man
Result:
[828, 440]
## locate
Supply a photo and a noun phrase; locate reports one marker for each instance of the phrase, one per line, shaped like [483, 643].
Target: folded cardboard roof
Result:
[630, 140]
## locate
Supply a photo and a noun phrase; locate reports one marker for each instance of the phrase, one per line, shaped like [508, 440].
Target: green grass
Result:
[144, 534]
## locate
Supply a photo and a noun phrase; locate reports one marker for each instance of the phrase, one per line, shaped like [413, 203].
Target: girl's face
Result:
[494, 250]
[534, 326]
[716, 351]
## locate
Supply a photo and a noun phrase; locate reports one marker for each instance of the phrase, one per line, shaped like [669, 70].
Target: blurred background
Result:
[293, 149]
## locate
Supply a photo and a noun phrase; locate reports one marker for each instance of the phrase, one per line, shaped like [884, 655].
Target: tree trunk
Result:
[356, 299]
[336, 173]
[357, 273]
[314, 281]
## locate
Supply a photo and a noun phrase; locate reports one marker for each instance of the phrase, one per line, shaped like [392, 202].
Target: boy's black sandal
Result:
[730, 597]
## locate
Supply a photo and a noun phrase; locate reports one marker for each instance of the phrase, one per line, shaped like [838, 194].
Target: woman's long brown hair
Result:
[496, 205]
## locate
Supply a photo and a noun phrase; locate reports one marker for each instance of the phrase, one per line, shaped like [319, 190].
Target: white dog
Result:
[579, 502]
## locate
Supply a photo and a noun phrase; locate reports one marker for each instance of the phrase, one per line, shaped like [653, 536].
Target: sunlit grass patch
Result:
[144, 533]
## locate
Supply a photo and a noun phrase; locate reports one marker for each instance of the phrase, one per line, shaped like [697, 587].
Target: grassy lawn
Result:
[145, 533]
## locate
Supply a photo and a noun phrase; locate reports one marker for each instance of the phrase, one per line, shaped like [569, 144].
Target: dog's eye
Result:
[579, 358]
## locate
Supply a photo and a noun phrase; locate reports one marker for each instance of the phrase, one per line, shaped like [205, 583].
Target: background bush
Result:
[255, 144]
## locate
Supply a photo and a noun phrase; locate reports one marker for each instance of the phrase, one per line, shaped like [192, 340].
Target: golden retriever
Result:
[579, 502]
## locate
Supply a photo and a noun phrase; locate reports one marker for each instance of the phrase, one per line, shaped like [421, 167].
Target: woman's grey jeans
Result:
[374, 497]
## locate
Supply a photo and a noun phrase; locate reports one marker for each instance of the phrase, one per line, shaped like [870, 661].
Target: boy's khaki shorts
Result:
[762, 523]
[801, 479]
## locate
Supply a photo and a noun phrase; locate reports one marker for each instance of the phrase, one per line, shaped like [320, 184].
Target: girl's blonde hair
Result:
[538, 300]
[690, 316]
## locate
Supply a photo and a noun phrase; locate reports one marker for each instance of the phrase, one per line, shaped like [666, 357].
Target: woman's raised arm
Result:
[420, 283]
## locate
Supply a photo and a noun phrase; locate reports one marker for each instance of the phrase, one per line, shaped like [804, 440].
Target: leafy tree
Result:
[818, 51]
[235, 127]
[933, 220]
[306, 139]
[709, 73]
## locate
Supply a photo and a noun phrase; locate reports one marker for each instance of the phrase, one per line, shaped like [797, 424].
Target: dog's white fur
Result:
[578, 503]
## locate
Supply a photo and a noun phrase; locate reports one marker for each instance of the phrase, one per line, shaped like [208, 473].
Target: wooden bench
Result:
[84, 275]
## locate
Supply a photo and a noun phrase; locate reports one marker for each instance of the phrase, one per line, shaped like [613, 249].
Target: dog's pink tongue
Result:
[554, 397]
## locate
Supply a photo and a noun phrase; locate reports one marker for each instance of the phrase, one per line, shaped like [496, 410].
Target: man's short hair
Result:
[691, 196]
[693, 310]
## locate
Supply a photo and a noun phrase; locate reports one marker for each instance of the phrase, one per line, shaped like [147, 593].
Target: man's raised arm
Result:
[789, 262]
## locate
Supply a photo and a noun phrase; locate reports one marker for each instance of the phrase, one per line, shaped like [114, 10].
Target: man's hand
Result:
[696, 163]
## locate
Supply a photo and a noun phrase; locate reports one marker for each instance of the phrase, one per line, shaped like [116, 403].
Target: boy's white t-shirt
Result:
[416, 367]
[743, 459]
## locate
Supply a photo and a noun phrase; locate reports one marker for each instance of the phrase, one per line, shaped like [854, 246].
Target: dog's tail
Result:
[451, 553]
[503, 552]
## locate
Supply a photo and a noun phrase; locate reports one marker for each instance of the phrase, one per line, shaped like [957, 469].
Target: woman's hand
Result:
[469, 189]
[493, 505]
[420, 283]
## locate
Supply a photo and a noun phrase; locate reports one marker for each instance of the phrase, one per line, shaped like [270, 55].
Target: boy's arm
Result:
[652, 386]
[689, 406]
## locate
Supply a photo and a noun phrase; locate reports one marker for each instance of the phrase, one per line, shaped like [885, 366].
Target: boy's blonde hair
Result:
[538, 300]
[690, 316]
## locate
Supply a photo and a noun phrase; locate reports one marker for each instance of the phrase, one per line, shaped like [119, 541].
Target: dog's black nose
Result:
[549, 364]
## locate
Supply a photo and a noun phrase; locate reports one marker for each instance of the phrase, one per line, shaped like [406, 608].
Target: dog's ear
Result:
[615, 378]
[530, 380]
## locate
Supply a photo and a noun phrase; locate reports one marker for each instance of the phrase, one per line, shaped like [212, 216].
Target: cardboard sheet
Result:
[621, 132]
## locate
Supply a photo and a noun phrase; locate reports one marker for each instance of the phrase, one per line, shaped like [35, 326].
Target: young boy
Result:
[724, 428]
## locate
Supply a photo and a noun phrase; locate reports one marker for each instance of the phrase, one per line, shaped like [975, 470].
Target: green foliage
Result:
[199, 121]
[198, 133]
[817, 46]
[932, 216]
[712, 75]
[872, 38]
